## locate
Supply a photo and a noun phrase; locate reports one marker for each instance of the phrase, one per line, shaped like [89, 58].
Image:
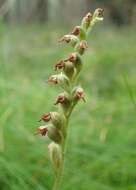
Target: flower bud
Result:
[76, 60]
[53, 133]
[60, 99]
[72, 58]
[61, 79]
[82, 47]
[53, 79]
[65, 38]
[45, 117]
[76, 31]
[79, 31]
[99, 13]
[78, 93]
[55, 154]
[42, 130]
[59, 65]
[72, 39]
[86, 21]
[57, 119]
[97, 16]
[64, 100]
[69, 70]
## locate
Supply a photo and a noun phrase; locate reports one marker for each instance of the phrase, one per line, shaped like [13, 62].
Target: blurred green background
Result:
[101, 151]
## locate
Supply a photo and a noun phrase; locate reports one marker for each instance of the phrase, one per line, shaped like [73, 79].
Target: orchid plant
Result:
[56, 128]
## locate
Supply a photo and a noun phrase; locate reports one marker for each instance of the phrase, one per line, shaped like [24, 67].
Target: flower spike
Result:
[57, 128]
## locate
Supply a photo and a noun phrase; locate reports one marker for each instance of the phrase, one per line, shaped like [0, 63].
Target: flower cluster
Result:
[57, 122]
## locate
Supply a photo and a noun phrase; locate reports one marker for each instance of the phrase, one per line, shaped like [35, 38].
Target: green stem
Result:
[59, 173]
[58, 177]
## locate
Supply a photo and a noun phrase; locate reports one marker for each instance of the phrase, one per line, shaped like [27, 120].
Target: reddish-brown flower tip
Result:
[42, 130]
[45, 117]
[53, 80]
[100, 12]
[79, 94]
[66, 38]
[72, 57]
[60, 99]
[76, 31]
[60, 65]
[88, 17]
[83, 45]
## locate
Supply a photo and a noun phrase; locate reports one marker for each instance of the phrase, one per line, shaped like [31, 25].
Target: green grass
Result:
[101, 153]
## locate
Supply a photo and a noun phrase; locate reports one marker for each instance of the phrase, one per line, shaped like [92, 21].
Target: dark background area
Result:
[119, 12]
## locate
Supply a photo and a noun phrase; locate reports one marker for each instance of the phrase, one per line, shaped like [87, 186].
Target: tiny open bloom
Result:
[60, 99]
[53, 79]
[79, 94]
[42, 130]
[88, 17]
[76, 31]
[83, 45]
[60, 65]
[45, 117]
[98, 14]
[66, 38]
[72, 57]
[58, 79]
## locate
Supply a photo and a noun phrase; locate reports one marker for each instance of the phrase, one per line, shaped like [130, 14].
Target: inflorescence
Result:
[70, 67]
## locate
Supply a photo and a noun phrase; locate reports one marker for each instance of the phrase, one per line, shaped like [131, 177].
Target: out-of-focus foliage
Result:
[101, 151]
[118, 12]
